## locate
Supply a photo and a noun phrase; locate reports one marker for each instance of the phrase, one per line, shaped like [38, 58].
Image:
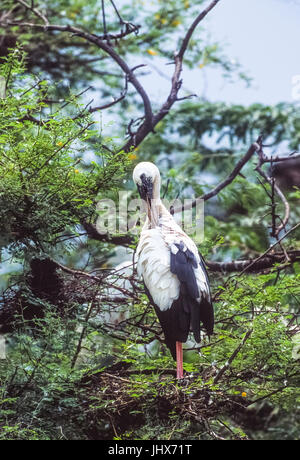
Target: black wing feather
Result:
[186, 313]
[175, 322]
[182, 265]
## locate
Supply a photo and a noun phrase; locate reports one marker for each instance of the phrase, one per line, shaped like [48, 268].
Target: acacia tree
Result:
[49, 194]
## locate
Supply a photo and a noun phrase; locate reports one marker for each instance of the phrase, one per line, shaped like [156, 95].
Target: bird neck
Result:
[153, 213]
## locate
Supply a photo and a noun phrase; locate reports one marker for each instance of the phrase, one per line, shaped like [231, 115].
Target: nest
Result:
[123, 401]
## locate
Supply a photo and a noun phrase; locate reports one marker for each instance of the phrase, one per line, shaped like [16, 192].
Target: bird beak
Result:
[149, 195]
[146, 189]
[146, 192]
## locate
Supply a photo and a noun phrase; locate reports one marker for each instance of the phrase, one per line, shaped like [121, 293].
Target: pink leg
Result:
[179, 359]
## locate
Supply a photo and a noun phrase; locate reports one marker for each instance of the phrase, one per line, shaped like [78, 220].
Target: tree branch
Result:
[96, 40]
[192, 28]
[143, 131]
[206, 196]
[262, 159]
[34, 10]
[103, 43]
[232, 357]
[259, 264]
[272, 247]
[118, 240]
[285, 202]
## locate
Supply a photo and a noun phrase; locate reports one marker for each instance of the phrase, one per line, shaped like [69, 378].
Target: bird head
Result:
[147, 179]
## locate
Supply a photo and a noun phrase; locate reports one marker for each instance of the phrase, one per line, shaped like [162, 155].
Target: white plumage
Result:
[153, 260]
[171, 268]
[155, 245]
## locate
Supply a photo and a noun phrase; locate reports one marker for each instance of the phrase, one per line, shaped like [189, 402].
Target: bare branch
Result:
[285, 202]
[253, 148]
[192, 28]
[262, 159]
[176, 84]
[35, 11]
[107, 48]
[272, 247]
[279, 159]
[259, 264]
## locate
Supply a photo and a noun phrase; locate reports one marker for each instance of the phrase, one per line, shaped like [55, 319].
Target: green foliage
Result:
[248, 361]
[71, 371]
[47, 184]
[39, 375]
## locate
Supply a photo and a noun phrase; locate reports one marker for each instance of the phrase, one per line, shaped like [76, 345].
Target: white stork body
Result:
[172, 270]
[154, 259]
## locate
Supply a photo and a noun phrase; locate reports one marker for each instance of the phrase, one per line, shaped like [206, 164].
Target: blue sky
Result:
[263, 36]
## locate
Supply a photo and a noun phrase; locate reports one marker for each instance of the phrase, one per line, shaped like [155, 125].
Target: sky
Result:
[264, 37]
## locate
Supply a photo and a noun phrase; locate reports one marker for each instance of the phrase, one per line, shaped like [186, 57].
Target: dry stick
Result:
[273, 207]
[262, 159]
[232, 357]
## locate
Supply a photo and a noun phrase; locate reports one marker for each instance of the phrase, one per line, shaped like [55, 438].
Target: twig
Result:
[232, 357]
[271, 248]
[268, 395]
[192, 28]
[35, 11]
[253, 148]
[279, 159]
[272, 182]
[83, 332]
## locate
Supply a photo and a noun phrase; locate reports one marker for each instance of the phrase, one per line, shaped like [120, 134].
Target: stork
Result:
[172, 269]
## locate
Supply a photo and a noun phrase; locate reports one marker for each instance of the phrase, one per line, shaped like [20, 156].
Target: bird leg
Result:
[179, 360]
